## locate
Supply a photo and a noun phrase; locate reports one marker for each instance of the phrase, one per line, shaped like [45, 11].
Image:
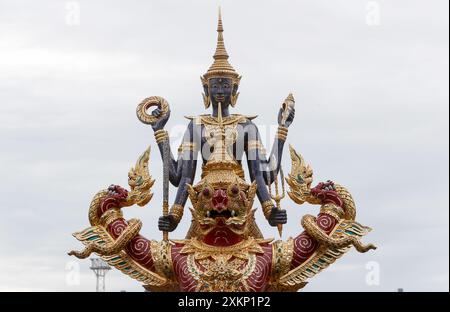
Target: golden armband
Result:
[161, 136]
[256, 145]
[267, 207]
[177, 212]
[162, 258]
[333, 210]
[282, 133]
[109, 216]
[282, 253]
[186, 147]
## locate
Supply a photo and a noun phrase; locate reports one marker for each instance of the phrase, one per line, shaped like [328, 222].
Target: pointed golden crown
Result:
[221, 67]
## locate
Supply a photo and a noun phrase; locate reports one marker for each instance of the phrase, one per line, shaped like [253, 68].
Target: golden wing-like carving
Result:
[140, 182]
[300, 179]
[121, 261]
[325, 255]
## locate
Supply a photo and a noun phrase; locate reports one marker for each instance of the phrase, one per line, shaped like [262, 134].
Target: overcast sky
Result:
[371, 83]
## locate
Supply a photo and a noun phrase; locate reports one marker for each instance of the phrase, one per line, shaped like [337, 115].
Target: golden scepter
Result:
[278, 197]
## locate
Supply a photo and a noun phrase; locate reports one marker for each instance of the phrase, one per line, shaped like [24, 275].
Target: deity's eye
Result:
[226, 86]
[214, 86]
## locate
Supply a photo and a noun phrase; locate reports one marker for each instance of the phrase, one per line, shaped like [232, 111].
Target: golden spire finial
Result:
[219, 25]
[221, 52]
[220, 66]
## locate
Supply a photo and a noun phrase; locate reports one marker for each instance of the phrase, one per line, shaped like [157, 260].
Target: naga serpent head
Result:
[326, 193]
[117, 192]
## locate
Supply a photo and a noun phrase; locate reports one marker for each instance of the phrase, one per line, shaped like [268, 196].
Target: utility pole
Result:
[100, 268]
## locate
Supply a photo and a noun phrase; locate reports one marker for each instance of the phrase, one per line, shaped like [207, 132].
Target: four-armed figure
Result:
[222, 136]
[224, 249]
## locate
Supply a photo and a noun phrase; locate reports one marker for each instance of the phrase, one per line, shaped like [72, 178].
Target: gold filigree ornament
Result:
[161, 254]
[222, 268]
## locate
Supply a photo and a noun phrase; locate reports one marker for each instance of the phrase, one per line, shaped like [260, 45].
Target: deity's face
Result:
[221, 90]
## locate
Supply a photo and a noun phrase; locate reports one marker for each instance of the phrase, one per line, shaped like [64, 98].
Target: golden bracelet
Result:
[333, 210]
[282, 133]
[161, 136]
[177, 212]
[109, 216]
[256, 145]
[282, 253]
[162, 258]
[267, 207]
[187, 146]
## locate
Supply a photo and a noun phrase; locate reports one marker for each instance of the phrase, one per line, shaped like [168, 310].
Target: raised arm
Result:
[162, 139]
[271, 166]
[273, 163]
[185, 172]
[256, 164]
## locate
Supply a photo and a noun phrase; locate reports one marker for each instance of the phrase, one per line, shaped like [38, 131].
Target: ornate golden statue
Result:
[224, 250]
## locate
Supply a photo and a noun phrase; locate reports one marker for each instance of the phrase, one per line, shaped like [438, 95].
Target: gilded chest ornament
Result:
[223, 268]
[221, 129]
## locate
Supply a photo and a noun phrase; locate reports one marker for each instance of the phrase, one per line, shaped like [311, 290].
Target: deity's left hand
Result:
[289, 120]
[159, 125]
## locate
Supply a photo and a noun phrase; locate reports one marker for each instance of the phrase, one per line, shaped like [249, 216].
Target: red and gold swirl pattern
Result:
[305, 245]
[138, 248]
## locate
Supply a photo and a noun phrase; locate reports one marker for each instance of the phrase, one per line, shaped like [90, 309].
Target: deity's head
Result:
[221, 81]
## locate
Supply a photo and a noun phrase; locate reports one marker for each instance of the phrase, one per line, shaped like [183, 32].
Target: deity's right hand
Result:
[277, 216]
[162, 119]
[167, 223]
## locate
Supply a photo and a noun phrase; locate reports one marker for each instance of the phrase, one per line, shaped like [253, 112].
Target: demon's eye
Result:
[233, 190]
[207, 192]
